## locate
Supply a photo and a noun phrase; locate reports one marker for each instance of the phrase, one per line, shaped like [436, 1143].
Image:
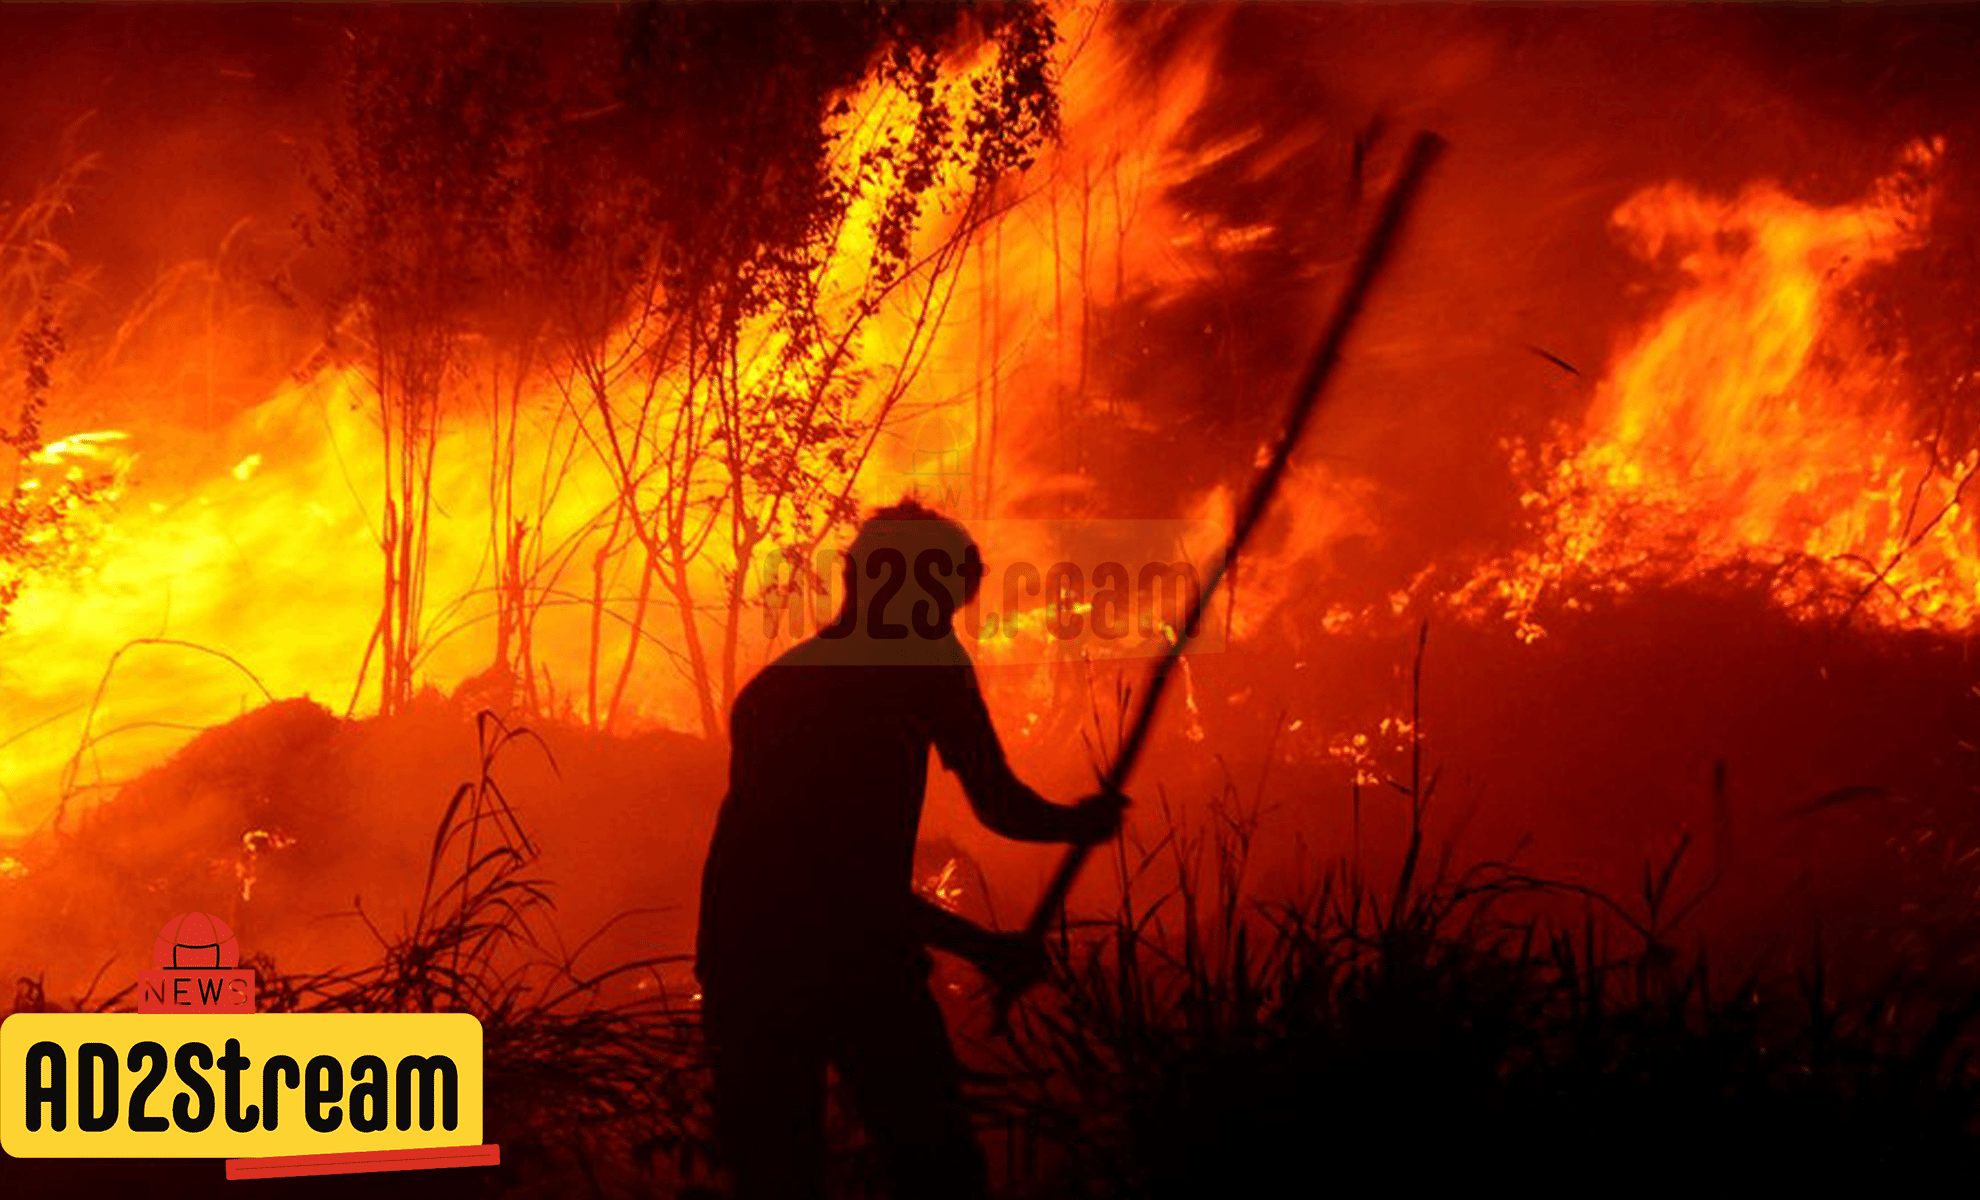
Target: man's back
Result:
[811, 868]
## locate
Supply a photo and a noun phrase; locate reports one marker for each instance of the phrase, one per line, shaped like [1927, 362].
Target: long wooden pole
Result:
[1375, 254]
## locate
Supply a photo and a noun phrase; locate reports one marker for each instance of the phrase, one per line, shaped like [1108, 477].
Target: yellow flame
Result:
[944, 885]
[1726, 437]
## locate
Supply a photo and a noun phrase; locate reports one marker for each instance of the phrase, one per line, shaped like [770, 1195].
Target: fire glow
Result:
[418, 422]
[208, 560]
[1722, 438]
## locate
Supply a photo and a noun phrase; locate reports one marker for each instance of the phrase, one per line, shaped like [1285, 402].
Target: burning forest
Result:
[1546, 714]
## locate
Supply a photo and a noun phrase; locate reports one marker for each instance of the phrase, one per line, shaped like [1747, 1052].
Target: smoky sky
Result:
[195, 114]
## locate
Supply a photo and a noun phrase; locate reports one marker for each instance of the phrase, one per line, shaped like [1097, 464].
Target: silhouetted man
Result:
[811, 947]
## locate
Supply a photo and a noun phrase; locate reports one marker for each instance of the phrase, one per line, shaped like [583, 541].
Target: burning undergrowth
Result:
[1755, 424]
[309, 834]
[600, 1064]
[1216, 1032]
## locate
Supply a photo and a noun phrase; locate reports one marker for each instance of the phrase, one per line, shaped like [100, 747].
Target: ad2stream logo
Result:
[196, 1072]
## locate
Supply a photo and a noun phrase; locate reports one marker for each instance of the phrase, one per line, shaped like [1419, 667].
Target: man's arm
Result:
[1011, 960]
[941, 929]
[968, 744]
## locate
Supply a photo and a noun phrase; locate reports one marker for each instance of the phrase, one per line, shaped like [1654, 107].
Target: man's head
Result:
[919, 565]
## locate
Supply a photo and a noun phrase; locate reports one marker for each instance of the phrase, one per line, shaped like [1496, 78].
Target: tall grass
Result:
[582, 1087]
[1430, 1026]
[1427, 1024]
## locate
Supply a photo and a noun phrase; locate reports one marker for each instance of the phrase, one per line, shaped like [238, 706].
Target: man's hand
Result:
[1011, 961]
[1097, 818]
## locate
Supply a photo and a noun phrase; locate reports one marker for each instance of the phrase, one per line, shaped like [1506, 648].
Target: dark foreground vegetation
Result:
[1431, 1025]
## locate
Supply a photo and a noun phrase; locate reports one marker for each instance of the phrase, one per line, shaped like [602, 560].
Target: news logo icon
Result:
[194, 960]
[196, 941]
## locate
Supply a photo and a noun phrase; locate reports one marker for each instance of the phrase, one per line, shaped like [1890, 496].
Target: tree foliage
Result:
[47, 488]
[688, 218]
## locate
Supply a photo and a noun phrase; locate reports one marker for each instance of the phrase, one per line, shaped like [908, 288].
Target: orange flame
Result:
[1747, 428]
[241, 562]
